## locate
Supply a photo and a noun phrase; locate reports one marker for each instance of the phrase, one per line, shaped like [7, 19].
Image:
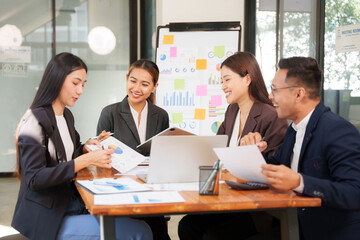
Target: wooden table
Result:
[281, 204]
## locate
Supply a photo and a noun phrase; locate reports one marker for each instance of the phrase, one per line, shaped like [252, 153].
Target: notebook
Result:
[176, 159]
[145, 146]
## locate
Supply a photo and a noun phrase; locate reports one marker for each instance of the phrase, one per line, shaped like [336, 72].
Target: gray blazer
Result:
[117, 118]
[263, 119]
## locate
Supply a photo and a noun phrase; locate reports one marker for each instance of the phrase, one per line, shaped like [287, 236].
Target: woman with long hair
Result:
[249, 110]
[50, 155]
[136, 118]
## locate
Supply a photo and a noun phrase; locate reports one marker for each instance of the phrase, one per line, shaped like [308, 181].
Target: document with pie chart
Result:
[124, 158]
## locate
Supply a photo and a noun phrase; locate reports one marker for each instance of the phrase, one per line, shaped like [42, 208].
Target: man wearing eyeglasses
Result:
[320, 156]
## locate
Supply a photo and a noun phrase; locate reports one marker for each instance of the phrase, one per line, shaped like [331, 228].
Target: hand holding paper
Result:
[254, 138]
[243, 162]
[281, 177]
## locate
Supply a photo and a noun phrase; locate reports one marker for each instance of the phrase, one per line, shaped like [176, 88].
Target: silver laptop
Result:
[176, 159]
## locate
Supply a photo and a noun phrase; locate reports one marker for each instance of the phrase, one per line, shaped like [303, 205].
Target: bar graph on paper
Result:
[179, 99]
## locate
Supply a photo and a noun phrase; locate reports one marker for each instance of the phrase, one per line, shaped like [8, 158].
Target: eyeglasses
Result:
[273, 90]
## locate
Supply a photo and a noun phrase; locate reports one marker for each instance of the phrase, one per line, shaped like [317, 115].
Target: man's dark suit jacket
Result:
[117, 118]
[46, 186]
[329, 163]
[263, 119]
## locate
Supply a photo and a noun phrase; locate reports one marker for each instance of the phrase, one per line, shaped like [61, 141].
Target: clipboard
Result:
[172, 131]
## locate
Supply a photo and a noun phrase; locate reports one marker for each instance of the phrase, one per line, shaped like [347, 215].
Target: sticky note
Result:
[216, 100]
[179, 84]
[201, 90]
[199, 114]
[173, 52]
[201, 64]
[177, 118]
[168, 39]
[219, 51]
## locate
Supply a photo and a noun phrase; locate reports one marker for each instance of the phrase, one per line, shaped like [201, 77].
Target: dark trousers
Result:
[216, 226]
[158, 227]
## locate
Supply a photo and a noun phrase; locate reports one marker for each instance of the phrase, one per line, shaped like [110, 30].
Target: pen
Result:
[263, 139]
[110, 134]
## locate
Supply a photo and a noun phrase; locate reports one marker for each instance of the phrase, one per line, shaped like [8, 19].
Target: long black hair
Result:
[244, 63]
[54, 76]
[50, 86]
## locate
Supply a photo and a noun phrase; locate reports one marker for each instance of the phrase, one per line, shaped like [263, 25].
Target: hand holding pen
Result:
[254, 138]
[96, 140]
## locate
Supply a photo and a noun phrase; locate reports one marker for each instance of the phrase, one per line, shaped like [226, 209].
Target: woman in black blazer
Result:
[49, 155]
[136, 118]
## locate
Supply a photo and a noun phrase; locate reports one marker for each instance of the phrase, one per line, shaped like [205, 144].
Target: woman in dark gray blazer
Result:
[136, 118]
[49, 156]
[249, 110]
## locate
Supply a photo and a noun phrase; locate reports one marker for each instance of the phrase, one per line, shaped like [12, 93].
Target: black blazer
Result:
[46, 177]
[117, 118]
[263, 119]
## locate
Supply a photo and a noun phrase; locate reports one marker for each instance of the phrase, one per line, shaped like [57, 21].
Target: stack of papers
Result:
[138, 198]
[124, 157]
[112, 185]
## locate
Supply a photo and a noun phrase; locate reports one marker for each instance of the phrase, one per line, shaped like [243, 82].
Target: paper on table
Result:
[112, 185]
[138, 198]
[124, 157]
[243, 162]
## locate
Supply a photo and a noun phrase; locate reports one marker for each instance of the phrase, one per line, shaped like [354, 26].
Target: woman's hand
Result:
[98, 158]
[254, 138]
[103, 135]
[91, 142]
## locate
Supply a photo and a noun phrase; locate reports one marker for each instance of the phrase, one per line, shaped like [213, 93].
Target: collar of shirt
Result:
[301, 126]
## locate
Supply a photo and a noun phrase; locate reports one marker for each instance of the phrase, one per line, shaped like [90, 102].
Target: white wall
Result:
[200, 11]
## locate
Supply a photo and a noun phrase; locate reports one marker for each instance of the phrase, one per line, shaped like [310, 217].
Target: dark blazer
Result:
[329, 163]
[117, 118]
[46, 177]
[263, 119]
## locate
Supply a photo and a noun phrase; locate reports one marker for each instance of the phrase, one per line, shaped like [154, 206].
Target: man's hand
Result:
[254, 138]
[281, 177]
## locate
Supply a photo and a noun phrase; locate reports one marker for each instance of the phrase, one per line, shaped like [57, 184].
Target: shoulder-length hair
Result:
[54, 76]
[245, 63]
[151, 68]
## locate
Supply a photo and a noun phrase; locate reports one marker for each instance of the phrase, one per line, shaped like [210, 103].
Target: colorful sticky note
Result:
[179, 84]
[168, 39]
[216, 100]
[201, 64]
[177, 118]
[201, 90]
[173, 52]
[219, 51]
[199, 114]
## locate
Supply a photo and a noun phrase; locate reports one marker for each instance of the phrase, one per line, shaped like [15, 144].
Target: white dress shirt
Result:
[234, 140]
[141, 127]
[65, 136]
[300, 129]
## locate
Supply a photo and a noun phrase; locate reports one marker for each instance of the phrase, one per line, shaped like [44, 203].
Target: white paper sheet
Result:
[138, 198]
[124, 157]
[243, 162]
[112, 185]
